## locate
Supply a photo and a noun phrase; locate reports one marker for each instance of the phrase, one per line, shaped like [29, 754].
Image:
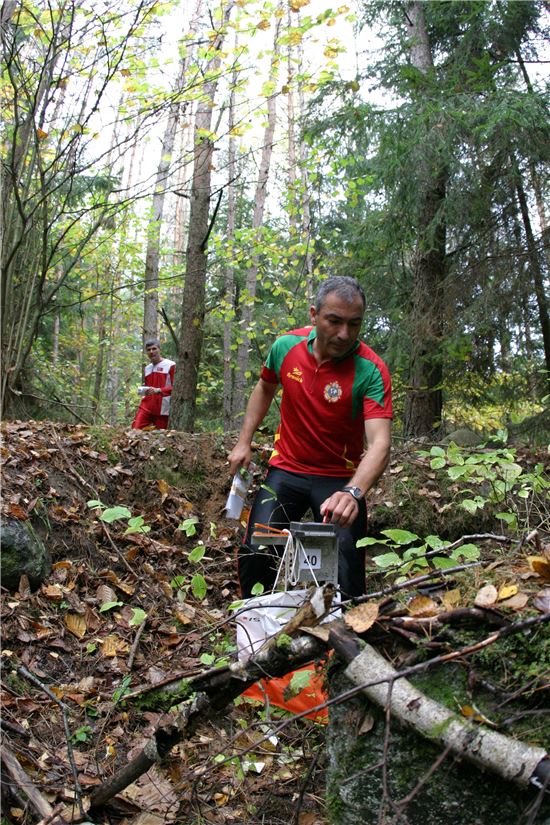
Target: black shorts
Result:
[286, 497]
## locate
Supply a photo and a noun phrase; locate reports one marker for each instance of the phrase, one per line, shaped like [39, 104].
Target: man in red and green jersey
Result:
[336, 393]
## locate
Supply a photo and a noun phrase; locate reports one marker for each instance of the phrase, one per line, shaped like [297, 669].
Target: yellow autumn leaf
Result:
[422, 607]
[76, 624]
[295, 37]
[451, 598]
[362, 617]
[296, 5]
[540, 566]
[506, 591]
[112, 645]
[263, 25]
[343, 9]
[331, 21]
[41, 134]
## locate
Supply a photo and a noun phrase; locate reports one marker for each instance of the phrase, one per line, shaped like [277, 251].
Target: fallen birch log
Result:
[509, 758]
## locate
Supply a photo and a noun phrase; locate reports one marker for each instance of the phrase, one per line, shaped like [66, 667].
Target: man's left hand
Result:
[151, 391]
[340, 508]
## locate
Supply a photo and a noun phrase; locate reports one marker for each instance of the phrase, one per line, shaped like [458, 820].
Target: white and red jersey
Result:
[160, 376]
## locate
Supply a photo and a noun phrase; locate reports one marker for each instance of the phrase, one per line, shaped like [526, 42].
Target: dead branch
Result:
[40, 805]
[213, 691]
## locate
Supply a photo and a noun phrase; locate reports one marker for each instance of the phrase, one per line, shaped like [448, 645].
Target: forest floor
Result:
[124, 610]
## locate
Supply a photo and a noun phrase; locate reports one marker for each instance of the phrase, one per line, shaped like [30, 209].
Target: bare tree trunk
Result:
[423, 403]
[249, 295]
[55, 343]
[151, 295]
[536, 273]
[229, 314]
[192, 317]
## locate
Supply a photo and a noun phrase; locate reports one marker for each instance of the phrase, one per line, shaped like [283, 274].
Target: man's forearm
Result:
[371, 467]
[375, 460]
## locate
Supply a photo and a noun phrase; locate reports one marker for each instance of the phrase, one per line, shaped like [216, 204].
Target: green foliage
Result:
[136, 524]
[420, 556]
[489, 477]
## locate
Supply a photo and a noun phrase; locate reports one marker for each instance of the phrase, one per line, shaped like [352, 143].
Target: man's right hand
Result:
[240, 456]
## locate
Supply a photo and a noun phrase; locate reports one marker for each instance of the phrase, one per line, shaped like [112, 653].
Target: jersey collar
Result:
[313, 335]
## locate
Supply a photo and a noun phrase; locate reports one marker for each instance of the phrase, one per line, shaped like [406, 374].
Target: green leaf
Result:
[437, 463]
[138, 617]
[457, 471]
[508, 518]
[188, 525]
[387, 560]
[442, 563]
[94, 502]
[470, 552]
[437, 451]
[115, 514]
[137, 525]
[400, 536]
[257, 589]
[207, 659]
[177, 582]
[412, 552]
[471, 505]
[435, 542]
[197, 554]
[300, 680]
[122, 690]
[109, 606]
[198, 586]
[366, 542]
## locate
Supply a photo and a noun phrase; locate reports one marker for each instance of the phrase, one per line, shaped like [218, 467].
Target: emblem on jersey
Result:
[333, 392]
[296, 375]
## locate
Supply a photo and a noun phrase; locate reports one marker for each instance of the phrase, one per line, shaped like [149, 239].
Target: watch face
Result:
[355, 492]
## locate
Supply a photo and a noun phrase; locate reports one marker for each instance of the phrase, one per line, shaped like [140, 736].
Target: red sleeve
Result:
[168, 390]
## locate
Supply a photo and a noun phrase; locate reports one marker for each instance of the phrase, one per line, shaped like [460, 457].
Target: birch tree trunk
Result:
[230, 269]
[249, 295]
[184, 399]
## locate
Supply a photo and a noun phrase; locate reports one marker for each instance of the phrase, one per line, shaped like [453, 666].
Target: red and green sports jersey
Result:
[323, 408]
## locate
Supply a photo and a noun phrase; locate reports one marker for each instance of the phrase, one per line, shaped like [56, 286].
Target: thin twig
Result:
[135, 643]
[26, 674]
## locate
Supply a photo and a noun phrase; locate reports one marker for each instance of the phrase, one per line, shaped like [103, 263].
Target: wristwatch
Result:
[356, 492]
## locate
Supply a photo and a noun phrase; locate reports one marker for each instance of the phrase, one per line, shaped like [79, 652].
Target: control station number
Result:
[313, 560]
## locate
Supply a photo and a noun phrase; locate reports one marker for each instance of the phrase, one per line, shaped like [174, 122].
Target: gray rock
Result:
[463, 438]
[23, 553]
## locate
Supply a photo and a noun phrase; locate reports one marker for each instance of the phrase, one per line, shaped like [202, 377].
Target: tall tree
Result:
[184, 399]
[163, 176]
[248, 295]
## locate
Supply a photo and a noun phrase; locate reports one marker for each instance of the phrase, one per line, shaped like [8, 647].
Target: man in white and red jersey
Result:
[158, 380]
[336, 394]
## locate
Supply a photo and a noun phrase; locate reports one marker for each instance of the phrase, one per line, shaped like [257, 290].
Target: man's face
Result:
[153, 351]
[338, 324]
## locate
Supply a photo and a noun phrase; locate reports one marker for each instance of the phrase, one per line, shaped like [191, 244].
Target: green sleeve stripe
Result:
[367, 382]
[280, 349]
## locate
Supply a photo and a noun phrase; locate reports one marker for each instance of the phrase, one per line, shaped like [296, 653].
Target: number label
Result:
[313, 561]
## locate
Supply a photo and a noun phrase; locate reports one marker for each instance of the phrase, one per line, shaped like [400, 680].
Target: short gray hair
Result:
[347, 288]
[152, 342]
